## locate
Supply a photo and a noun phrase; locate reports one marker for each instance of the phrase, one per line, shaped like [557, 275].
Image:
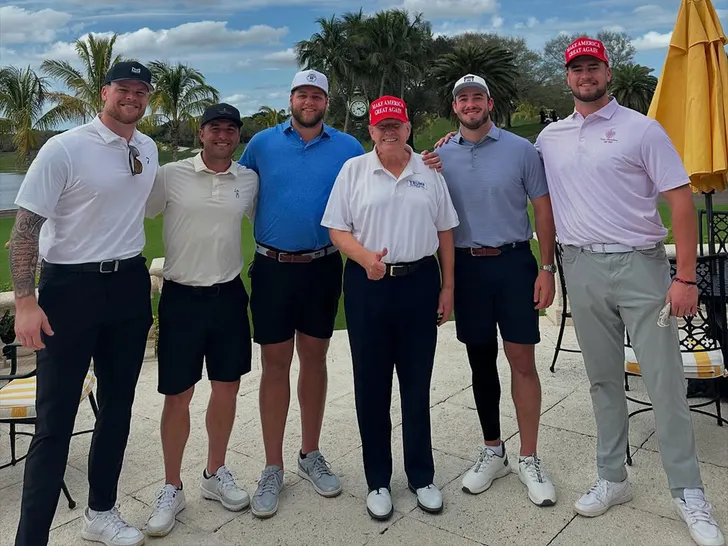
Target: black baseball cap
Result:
[129, 70]
[221, 111]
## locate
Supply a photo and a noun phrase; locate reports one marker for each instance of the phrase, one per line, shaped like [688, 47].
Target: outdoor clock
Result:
[358, 108]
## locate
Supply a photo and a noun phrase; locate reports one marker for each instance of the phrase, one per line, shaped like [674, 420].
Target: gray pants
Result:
[607, 293]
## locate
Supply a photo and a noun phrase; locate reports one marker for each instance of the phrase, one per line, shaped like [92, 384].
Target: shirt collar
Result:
[110, 136]
[201, 167]
[494, 133]
[605, 112]
[412, 167]
[289, 128]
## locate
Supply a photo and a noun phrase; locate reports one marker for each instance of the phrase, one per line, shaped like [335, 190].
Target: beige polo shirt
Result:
[203, 211]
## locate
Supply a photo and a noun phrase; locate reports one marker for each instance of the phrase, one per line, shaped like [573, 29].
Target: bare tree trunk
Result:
[384, 81]
[175, 139]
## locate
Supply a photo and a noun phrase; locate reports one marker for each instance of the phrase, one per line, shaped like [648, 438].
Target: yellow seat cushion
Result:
[17, 398]
[697, 365]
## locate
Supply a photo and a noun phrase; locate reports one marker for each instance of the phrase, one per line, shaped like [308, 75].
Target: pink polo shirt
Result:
[605, 173]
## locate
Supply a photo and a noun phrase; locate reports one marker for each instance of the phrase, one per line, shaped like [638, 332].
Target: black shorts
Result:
[202, 323]
[288, 297]
[496, 290]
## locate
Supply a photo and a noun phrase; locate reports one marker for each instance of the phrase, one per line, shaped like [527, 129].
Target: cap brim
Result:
[310, 85]
[469, 84]
[149, 85]
[237, 122]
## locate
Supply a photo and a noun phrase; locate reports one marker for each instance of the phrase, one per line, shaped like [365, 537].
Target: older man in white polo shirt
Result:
[606, 165]
[389, 213]
[87, 188]
[203, 310]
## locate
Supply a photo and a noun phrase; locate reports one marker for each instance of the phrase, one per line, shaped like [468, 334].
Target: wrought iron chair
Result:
[702, 338]
[718, 230]
[565, 311]
[17, 406]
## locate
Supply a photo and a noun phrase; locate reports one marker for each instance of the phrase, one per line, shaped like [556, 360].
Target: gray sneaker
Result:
[315, 469]
[265, 499]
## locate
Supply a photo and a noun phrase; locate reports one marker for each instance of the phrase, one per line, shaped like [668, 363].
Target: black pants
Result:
[393, 322]
[107, 317]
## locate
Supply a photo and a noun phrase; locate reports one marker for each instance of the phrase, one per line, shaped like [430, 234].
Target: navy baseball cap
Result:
[221, 111]
[129, 70]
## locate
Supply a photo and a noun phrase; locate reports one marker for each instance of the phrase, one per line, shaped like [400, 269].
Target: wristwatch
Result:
[551, 268]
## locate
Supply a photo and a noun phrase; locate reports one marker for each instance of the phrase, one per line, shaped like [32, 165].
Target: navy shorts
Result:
[497, 291]
[289, 297]
[207, 324]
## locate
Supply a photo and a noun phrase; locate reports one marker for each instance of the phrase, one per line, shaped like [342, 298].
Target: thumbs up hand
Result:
[376, 268]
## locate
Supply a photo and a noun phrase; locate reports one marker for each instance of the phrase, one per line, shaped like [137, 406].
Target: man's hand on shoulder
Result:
[432, 160]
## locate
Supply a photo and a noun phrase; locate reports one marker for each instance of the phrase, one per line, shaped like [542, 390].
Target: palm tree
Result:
[493, 62]
[96, 56]
[270, 117]
[23, 95]
[633, 86]
[393, 47]
[180, 94]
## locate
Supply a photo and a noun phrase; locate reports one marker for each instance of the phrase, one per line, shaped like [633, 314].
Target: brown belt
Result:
[295, 257]
[492, 250]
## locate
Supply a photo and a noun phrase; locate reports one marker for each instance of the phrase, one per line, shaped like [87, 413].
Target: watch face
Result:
[359, 108]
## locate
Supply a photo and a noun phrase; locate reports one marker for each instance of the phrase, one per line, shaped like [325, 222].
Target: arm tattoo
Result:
[24, 251]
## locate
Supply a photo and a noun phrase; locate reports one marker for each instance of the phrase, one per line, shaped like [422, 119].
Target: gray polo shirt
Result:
[490, 183]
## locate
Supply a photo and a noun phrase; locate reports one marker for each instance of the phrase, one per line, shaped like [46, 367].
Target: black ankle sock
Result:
[302, 454]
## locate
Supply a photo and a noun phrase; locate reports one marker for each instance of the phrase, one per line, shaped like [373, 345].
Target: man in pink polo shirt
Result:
[606, 165]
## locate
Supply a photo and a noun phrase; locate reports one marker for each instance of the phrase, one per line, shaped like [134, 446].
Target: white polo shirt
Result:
[605, 174]
[203, 211]
[82, 183]
[403, 215]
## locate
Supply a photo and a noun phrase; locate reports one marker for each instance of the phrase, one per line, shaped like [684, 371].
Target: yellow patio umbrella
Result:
[691, 99]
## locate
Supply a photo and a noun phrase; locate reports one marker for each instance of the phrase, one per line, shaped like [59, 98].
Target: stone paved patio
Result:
[501, 516]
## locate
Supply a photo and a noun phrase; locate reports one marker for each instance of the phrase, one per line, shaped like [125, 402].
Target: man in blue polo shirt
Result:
[491, 175]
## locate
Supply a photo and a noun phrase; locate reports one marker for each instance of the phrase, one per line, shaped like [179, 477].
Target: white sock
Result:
[92, 513]
[498, 450]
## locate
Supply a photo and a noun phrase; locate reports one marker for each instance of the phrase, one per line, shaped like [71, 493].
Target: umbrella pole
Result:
[709, 220]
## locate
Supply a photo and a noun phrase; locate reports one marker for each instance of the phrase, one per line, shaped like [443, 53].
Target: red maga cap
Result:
[387, 107]
[586, 46]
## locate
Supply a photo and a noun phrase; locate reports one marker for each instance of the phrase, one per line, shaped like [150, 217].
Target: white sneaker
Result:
[429, 498]
[170, 502]
[602, 496]
[697, 513]
[379, 504]
[540, 489]
[108, 528]
[487, 468]
[221, 487]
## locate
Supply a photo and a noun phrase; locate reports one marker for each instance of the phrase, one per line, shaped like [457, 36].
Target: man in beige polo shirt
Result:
[203, 310]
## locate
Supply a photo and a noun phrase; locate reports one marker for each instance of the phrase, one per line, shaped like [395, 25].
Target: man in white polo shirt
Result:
[606, 165]
[389, 213]
[203, 310]
[87, 188]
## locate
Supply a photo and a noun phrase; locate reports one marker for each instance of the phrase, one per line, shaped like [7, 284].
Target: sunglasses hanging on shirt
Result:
[134, 164]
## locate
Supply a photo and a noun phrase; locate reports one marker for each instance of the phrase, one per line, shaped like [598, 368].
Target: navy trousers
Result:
[392, 323]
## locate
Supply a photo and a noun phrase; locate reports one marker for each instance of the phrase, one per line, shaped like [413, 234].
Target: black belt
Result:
[106, 266]
[403, 269]
[212, 290]
[493, 250]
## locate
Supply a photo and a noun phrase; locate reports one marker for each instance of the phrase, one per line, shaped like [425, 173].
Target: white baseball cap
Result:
[310, 77]
[470, 80]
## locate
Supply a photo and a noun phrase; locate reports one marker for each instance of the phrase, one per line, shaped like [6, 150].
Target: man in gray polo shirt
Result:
[491, 175]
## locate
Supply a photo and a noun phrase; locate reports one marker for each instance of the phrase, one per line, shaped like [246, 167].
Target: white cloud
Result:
[286, 57]
[652, 40]
[20, 26]
[451, 8]
[249, 105]
[496, 21]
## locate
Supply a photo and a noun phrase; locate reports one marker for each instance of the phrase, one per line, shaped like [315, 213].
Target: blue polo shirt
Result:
[490, 183]
[296, 178]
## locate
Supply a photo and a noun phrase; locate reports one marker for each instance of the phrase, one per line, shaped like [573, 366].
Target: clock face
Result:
[358, 108]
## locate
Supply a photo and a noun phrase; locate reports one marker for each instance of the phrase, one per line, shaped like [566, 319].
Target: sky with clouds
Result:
[244, 47]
